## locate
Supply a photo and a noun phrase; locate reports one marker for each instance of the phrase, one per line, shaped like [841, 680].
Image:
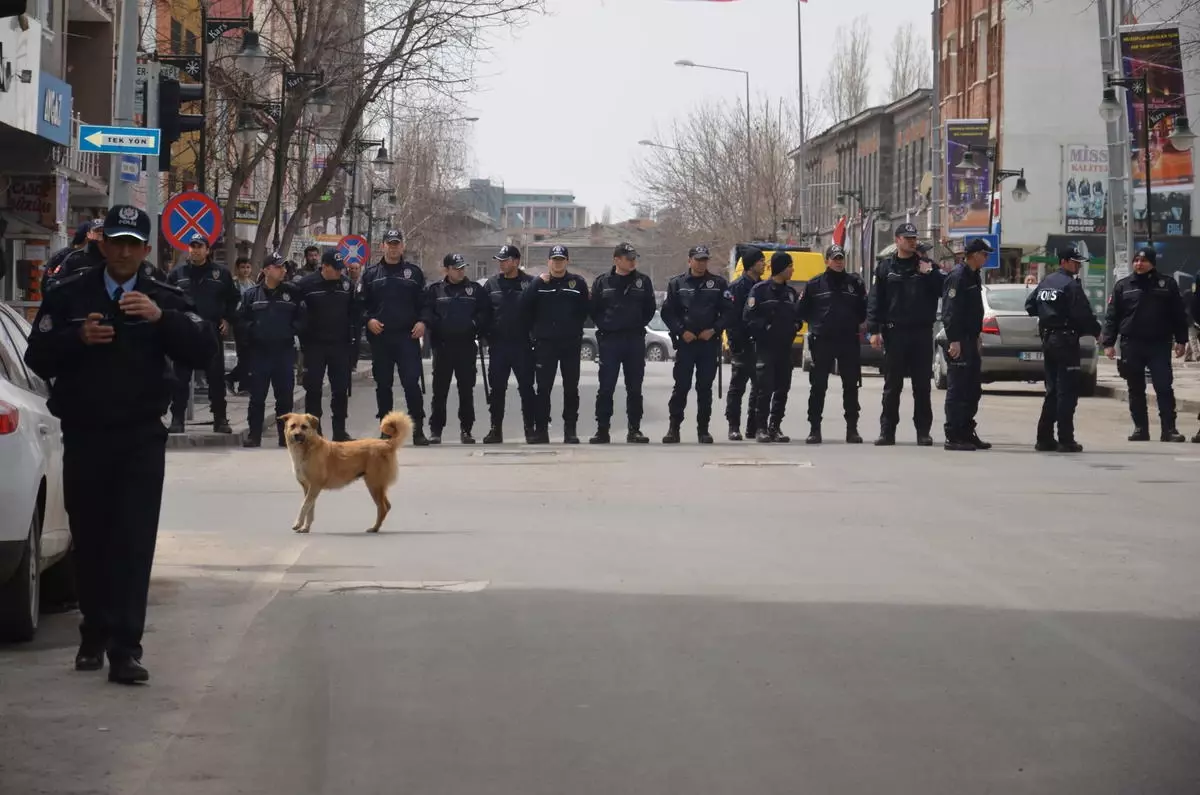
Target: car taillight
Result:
[9, 418]
[991, 325]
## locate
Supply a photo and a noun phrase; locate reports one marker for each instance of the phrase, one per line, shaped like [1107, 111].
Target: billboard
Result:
[1152, 52]
[968, 190]
[1085, 199]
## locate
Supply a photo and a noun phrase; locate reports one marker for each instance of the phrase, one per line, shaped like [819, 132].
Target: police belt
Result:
[1050, 332]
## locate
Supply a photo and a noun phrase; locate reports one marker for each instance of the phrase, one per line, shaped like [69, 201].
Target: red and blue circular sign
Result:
[354, 248]
[189, 213]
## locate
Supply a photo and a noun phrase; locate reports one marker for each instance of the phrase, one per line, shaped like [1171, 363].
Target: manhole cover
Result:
[414, 586]
[723, 464]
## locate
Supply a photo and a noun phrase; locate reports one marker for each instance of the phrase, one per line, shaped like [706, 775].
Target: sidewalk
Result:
[1187, 386]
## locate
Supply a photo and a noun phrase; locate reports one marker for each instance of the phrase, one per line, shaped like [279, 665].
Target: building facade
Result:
[537, 213]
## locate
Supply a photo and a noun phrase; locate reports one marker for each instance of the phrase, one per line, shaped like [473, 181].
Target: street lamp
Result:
[1110, 111]
[251, 58]
[382, 162]
[656, 145]
[292, 81]
[842, 208]
[1182, 137]
[249, 128]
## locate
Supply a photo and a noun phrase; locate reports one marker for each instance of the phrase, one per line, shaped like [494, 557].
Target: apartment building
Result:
[537, 213]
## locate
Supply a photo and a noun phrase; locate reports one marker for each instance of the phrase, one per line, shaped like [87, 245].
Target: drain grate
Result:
[412, 586]
[754, 463]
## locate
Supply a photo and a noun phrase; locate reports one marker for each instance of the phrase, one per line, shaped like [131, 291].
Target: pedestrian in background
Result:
[622, 304]
[333, 316]
[457, 314]
[962, 320]
[311, 263]
[270, 318]
[80, 256]
[772, 318]
[509, 347]
[239, 377]
[741, 348]
[102, 340]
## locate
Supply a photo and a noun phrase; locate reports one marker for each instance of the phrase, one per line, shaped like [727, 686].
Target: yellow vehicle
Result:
[806, 264]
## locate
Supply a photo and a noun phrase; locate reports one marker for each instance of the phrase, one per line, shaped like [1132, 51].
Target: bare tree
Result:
[848, 81]
[909, 63]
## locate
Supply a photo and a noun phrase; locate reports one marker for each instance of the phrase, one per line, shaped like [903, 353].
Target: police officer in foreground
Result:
[622, 304]
[102, 339]
[555, 306]
[772, 318]
[270, 318]
[834, 305]
[458, 313]
[509, 348]
[216, 298]
[1064, 315]
[393, 296]
[331, 330]
[695, 311]
[741, 347]
[962, 319]
[1145, 313]
[901, 310]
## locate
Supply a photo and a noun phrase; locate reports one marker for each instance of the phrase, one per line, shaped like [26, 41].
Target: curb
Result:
[1121, 393]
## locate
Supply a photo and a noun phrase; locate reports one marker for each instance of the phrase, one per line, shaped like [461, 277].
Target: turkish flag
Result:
[839, 232]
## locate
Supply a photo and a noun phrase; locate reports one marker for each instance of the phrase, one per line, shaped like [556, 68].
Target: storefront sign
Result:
[1085, 199]
[33, 199]
[54, 110]
[245, 211]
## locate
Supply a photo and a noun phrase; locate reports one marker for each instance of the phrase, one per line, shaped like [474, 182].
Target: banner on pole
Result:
[1152, 52]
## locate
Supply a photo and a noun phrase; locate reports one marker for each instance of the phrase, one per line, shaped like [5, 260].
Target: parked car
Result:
[658, 341]
[1012, 349]
[35, 539]
[589, 351]
[868, 356]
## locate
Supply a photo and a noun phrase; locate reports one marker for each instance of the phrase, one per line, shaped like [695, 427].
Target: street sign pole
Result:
[127, 44]
[152, 176]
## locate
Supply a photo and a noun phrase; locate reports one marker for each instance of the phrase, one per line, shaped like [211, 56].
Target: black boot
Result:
[435, 435]
[1140, 434]
[960, 442]
[531, 433]
[279, 428]
[672, 436]
[418, 436]
[177, 425]
[852, 435]
[703, 436]
[635, 436]
[540, 435]
[495, 435]
[1171, 435]
[221, 425]
[253, 440]
[980, 444]
[1047, 445]
[1070, 446]
[1196, 438]
[778, 436]
[924, 440]
[887, 438]
[735, 432]
[814, 433]
[339, 431]
[569, 436]
[465, 437]
[601, 436]
[763, 437]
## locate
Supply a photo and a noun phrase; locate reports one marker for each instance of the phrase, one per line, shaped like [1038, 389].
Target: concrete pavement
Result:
[1186, 386]
[706, 619]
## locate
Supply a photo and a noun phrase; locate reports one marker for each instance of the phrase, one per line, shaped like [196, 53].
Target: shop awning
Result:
[12, 226]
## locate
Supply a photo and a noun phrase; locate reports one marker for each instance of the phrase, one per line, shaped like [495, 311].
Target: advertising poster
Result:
[1086, 189]
[967, 189]
[1152, 52]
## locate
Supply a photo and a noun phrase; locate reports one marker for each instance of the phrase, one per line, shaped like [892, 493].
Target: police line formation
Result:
[533, 329]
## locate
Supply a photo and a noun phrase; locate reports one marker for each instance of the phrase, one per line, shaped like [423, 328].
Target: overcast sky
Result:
[563, 101]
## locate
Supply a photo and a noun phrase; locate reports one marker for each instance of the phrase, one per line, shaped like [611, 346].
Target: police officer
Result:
[772, 317]
[962, 319]
[1064, 314]
[458, 312]
[695, 311]
[509, 347]
[741, 347]
[270, 318]
[83, 254]
[555, 306]
[102, 339]
[212, 290]
[1145, 312]
[901, 310]
[393, 295]
[622, 304]
[834, 305]
[331, 328]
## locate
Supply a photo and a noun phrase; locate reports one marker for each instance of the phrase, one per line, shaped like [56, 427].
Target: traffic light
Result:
[172, 124]
[11, 8]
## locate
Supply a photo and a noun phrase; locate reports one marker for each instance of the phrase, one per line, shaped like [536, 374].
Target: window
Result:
[189, 43]
[950, 65]
[12, 347]
[176, 36]
[983, 53]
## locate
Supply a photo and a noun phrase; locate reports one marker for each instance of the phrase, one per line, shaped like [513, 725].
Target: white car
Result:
[34, 534]
[658, 341]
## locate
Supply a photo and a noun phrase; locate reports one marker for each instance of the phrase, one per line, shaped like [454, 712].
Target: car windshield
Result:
[656, 323]
[1009, 299]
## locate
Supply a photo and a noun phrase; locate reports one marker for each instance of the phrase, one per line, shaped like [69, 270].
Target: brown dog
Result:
[320, 464]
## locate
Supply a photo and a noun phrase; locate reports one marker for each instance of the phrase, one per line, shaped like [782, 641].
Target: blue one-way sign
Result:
[118, 140]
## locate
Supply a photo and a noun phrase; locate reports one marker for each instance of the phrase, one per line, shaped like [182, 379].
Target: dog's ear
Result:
[286, 418]
[315, 421]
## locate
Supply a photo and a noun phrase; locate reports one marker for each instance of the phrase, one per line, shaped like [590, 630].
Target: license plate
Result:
[1030, 356]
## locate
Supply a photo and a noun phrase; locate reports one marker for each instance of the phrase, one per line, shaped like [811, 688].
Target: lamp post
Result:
[375, 194]
[1020, 192]
[321, 106]
[381, 163]
[251, 59]
[1110, 110]
[749, 145]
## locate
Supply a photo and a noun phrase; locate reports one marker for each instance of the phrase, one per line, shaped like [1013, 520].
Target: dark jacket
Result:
[128, 381]
[507, 324]
[457, 312]
[394, 295]
[735, 324]
[70, 261]
[962, 304]
[834, 305]
[772, 314]
[557, 309]
[1061, 304]
[271, 318]
[622, 304]
[696, 303]
[902, 297]
[211, 289]
[332, 310]
[1145, 308]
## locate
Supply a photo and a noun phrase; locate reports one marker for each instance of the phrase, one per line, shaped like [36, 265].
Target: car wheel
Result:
[19, 597]
[1087, 386]
[587, 352]
[941, 377]
[656, 353]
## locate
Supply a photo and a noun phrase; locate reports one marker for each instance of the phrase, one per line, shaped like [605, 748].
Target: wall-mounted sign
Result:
[54, 110]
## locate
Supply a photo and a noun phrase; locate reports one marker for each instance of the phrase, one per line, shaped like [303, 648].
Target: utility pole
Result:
[1117, 230]
[151, 169]
[937, 152]
[127, 47]
[801, 157]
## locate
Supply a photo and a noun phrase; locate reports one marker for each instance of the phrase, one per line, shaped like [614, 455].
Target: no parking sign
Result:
[189, 213]
[354, 248]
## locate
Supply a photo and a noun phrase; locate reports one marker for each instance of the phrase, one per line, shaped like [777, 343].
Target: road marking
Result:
[1188, 460]
[413, 586]
[522, 453]
[754, 463]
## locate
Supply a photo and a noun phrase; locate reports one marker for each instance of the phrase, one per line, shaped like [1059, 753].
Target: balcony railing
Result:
[87, 164]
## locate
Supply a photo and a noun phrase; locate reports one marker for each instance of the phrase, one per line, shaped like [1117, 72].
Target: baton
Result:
[487, 392]
[720, 372]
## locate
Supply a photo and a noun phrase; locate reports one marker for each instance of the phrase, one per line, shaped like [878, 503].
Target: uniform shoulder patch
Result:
[750, 301]
[192, 316]
[953, 292]
[46, 324]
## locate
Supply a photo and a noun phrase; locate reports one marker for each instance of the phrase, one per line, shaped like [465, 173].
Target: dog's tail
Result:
[397, 426]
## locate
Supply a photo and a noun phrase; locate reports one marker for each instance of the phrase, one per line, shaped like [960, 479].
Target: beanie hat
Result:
[751, 256]
[1149, 253]
[780, 261]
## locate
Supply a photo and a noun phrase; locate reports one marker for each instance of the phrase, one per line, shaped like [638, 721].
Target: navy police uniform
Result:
[962, 320]
[555, 310]
[332, 323]
[695, 304]
[834, 305]
[110, 398]
[1064, 315]
[741, 351]
[772, 317]
[456, 315]
[269, 321]
[509, 348]
[622, 305]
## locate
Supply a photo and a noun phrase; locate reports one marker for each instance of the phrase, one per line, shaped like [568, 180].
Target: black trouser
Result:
[699, 356]
[320, 357]
[550, 355]
[964, 388]
[273, 367]
[846, 353]
[453, 358]
[1137, 357]
[773, 371]
[394, 351]
[742, 372]
[112, 488]
[240, 374]
[516, 357]
[625, 351]
[907, 353]
[214, 373]
[1061, 365]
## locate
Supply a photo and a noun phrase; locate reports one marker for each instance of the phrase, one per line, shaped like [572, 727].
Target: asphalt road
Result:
[738, 618]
